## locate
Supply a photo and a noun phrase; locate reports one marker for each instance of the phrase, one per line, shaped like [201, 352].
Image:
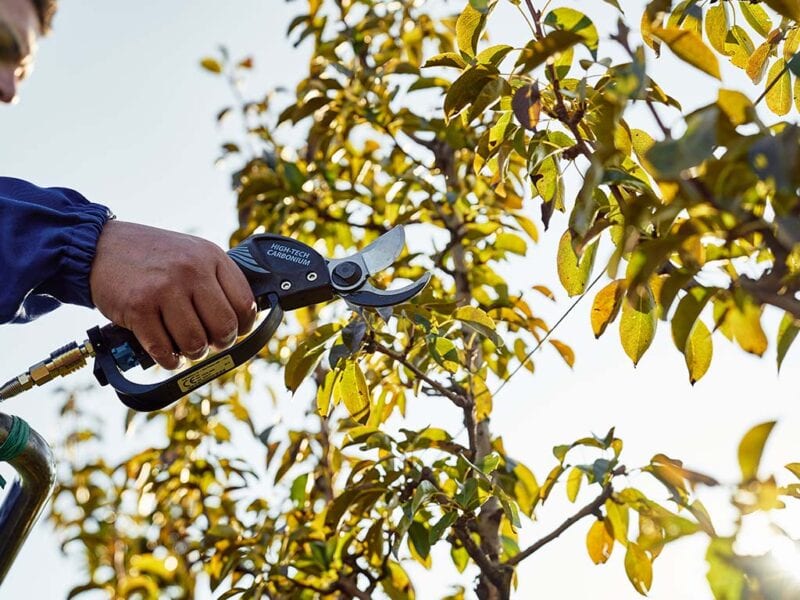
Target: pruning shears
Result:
[283, 273]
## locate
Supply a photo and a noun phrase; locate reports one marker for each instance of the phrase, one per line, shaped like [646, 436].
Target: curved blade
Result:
[368, 295]
[382, 253]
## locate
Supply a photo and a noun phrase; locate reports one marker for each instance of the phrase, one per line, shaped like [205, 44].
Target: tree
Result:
[357, 495]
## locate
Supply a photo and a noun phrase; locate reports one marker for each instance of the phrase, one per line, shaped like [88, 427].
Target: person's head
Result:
[22, 23]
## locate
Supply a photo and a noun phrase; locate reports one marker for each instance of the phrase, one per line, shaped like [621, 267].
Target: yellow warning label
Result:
[206, 374]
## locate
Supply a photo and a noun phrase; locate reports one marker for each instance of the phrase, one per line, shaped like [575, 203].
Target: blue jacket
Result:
[48, 238]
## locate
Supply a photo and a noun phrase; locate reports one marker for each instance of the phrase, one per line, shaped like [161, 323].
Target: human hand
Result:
[173, 291]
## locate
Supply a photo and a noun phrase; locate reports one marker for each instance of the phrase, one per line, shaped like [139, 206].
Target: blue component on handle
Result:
[124, 356]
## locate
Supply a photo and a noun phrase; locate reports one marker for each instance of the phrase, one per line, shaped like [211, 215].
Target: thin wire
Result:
[547, 335]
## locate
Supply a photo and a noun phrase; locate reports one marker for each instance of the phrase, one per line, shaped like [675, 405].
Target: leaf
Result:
[698, 352]
[599, 542]
[538, 51]
[211, 64]
[510, 243]
[574, 484]
[750, 449]
[744, 320]
[738, 46]
[716, 26]
[756, 16]
[787, 8]
[565, 351]
[737, 107]
[446, 59]
[794, 468]
[574, 272]
[527, 105]
[787, 332]
[494, 55]
[353, 391]
[689, 309]
[639, 568]
[479, 321]
[606, 306]
[637, 326]
[469, 27]
[689, 47]
[671, 157]
[779, 96]
[791, 44]
[466, 89]
[569, 19]
[757, 63]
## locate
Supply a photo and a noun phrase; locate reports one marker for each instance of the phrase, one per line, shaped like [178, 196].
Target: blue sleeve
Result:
[48, 238]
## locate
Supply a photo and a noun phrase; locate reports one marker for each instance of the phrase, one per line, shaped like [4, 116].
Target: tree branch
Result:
[455, 397]
[587, 510]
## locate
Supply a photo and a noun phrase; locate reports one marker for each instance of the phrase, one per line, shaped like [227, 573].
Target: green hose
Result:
[15, 443]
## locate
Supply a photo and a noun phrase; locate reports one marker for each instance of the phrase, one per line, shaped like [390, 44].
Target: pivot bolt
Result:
[347, 273]
[311, 276]
[285, 285]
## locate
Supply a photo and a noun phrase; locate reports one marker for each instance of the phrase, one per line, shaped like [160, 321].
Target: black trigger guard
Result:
[150, 397]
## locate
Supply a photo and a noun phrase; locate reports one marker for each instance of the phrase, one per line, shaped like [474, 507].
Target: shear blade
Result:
[382, 253]
[370, 296]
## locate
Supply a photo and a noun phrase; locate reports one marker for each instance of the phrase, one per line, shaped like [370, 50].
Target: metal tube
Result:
[26, 497]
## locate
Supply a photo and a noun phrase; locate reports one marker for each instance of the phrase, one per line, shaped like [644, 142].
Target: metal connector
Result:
[63, 361]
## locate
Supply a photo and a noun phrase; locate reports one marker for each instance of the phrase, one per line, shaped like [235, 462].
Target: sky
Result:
[118, 109]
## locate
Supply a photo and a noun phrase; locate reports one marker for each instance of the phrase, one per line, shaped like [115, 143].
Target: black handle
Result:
[283, 273]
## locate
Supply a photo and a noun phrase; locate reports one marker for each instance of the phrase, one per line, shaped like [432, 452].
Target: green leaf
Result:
[716, 26]
[639, 568]
[569, 19]
[637, 326]
[538, 51]
[469, 27]
[698, 351]
[689, 309]
[671, 157]
[494, 55]
[479, 321]
[352, 390]
[574, 272]
[599, 542]
[306, 356]
[466, 89]
[787, 332]
[756, 16]
[751, 448]
[689, 47]
[298, 491]
[446, 59]
[211, 64]
[606, 306]
[779, 96]
[787, 8]
[510, 243]
[726, 580]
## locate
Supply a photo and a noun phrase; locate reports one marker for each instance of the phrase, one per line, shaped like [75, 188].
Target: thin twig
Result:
[587, 510]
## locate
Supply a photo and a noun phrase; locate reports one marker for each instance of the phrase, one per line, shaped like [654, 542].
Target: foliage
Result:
[702, 229]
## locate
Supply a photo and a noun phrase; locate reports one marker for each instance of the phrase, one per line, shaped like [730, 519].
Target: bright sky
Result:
[119, 110]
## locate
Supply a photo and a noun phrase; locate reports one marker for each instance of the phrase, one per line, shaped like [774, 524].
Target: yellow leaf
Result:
[736, 106]
[211, 64]
[639, 568]
[482, 396]
[606, 306]
[353, 391]
[565, 351]
[469, 26]
[599, 542]
[751, 448]
[717, 27]
[738, 46]
[637, 326]
[756, 16]
[573, 271]
[787, 8]
[698, 351]
[794, 468]
[574, 483]
[791, 44]
[744, 320]
[757, 63]
[689, 47]
[779, 97]
[617, 518]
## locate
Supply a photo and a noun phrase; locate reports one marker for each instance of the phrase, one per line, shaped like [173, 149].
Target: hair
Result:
[46, 9]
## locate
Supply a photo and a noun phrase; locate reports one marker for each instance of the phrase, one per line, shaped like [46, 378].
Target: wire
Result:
[547, 335]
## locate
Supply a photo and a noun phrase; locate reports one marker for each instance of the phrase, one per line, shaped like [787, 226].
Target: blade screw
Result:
[311, 276]
[347, 273]
[285, 285]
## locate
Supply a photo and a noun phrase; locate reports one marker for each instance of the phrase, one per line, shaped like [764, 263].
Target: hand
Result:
[174, 291]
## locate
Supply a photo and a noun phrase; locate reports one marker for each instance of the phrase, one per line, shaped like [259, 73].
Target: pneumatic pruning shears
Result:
[283, 273]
